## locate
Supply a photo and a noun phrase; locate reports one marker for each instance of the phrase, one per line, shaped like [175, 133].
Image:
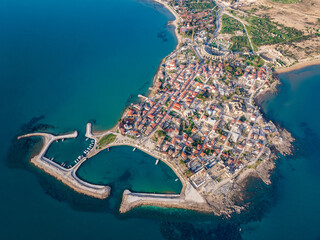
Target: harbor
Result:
[59, 171]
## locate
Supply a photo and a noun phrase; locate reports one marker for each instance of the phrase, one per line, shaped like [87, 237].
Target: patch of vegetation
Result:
[199, 5]
[230, 25]
[189, 173]
[107, 139]
[161, 133]
[240, 44]
[188, 33]
[265, 32]
[204, 95]
[198, 80]
[254, 60]
[190, 53]
[189, 128]
[233, 70]
[243, 119]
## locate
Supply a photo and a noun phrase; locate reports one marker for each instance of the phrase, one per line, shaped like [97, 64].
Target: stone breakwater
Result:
[67, 176]
[188, 199]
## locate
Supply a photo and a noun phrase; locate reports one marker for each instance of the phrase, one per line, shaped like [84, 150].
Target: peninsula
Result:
[202, 116]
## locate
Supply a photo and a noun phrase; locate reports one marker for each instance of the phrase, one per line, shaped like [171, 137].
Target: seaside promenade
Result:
[67, 176]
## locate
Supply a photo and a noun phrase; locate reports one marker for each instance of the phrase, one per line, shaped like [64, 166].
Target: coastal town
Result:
[201, 116]
[201, 112]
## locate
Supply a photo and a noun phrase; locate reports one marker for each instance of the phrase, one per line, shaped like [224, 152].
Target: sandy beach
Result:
[175, 23]
[299, 65]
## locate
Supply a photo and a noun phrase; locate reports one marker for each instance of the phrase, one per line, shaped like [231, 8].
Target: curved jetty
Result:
[67, 176]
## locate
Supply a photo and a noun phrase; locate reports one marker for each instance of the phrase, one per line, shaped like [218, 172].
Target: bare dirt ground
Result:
[298, 15]
[303, 15]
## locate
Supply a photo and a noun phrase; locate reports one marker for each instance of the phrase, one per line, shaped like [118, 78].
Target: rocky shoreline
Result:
[284, 145]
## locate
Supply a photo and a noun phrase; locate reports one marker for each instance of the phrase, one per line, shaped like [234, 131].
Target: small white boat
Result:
[157, 161]
[176, 179]
[87, 139]
[134, 149]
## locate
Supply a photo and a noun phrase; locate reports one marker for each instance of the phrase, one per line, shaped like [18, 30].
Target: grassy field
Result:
[230, 25]
[107, 139]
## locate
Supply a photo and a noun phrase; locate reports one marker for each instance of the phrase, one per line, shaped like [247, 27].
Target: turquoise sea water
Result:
[109, 167]
[63, 60]
[67, 152]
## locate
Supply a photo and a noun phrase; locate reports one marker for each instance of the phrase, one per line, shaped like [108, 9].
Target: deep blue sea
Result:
[64, 63]
[295, 211]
